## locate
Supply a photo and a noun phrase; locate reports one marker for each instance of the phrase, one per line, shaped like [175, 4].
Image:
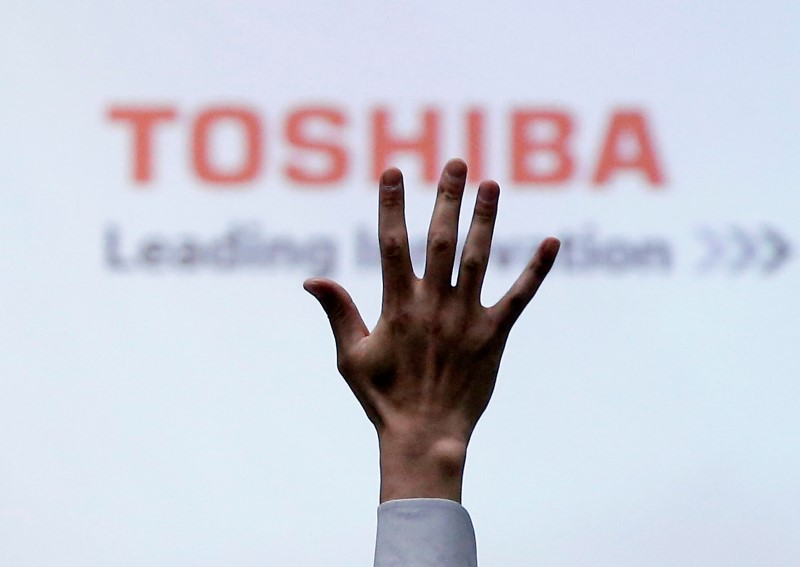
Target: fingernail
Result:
[392, 178]
[456, 168]
[554, 245]
[489, 193]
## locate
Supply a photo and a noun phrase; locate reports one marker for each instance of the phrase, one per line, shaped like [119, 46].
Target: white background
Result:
[195, 417]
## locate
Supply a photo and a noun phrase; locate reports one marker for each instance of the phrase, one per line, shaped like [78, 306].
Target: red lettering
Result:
[425, 145]
[315, 142]
[627, 145]
[143, 121]
[297, 125]
[529, 149]
[475, 144]
[251, 163]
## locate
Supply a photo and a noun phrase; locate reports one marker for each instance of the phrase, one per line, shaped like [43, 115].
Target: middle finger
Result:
[443, 231]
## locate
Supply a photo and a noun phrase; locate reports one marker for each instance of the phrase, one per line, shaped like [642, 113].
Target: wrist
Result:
[421, 465]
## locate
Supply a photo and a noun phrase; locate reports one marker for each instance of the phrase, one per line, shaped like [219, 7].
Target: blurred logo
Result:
[314, 148]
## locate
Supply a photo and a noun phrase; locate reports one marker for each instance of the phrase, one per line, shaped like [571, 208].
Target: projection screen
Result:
[173, 171]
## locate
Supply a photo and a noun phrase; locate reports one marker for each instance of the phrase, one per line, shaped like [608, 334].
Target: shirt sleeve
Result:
[424, 532]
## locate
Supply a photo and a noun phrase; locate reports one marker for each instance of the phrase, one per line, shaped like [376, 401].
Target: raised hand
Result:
[426, 372]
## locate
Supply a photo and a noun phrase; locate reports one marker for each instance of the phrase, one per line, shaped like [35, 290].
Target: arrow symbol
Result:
[713, 247]
[739, 250]
[747, 250]
[780, 250]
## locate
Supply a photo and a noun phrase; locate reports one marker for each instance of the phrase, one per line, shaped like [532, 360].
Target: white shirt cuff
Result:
[424, 532]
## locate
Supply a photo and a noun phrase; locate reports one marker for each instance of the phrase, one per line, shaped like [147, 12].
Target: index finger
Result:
[510, 307]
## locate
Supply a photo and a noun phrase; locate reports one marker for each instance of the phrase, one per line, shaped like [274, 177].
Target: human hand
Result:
[426, 372]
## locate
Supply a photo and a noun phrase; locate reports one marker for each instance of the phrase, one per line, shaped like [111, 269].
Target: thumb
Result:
[346, 322]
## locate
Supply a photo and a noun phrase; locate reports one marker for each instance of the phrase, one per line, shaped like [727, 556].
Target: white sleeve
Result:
[424, 532]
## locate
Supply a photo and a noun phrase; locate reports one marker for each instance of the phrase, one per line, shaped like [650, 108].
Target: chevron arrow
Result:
[738, 250]
[780, 250]
[745, 248]
[714, 250]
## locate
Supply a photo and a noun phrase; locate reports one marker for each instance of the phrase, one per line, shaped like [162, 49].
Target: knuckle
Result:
[540, 269]
[451, 194]
[337, 313]
[392, 245]
[484, 212]
[391, 199]
[474, 262]
[440, 242]
[517, 302]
